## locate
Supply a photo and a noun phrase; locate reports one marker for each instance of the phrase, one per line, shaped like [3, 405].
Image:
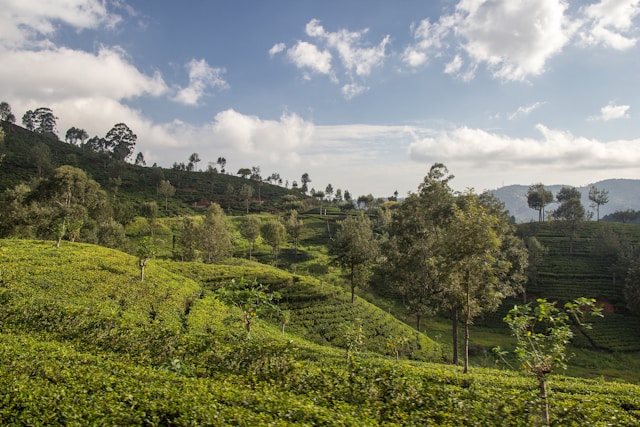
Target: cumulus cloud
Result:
[355, 55]
[611, 112]
[554, 149]
[609, 23]
[277, 48]
[28, 22]
[512, 39]
[201, 78]
[307, 56]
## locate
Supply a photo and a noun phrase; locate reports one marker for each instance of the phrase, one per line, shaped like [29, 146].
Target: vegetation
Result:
[175, 327]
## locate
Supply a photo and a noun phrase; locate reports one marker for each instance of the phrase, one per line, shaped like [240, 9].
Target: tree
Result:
[222, 162]
[479, 273]
[120, 141]
[188, 240]
[251, 298]
[244, 172]
[543, 332]
[320, 196]
[570, 212]
[414, 252]
[536, 253]
[150, 211]
[42, 120]
[250, 230]
[166, 190]
[294, 228]
[140, 159]
[216, 241]
[5, 113]
[598, 198]
[625, 216]
[76, 136]
[41, 158]
[194, 159]
[538, 198]
[305, 180]
[146, 250]
[328, 191]
[274, 234]
[246, 193]
[354, 249]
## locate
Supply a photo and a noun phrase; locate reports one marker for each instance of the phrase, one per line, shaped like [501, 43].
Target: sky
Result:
[364, 95]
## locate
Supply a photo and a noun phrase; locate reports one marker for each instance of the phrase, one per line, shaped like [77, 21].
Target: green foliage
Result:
[251, 298]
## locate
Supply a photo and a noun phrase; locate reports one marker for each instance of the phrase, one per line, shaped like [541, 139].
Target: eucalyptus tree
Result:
[538, 197]
[5, 113]
[76, 136]
[294, 228]
[481, 271]
[166, 190]
[216, 243]
[355, 249]
[598, 198]
[250, 230]
[120, 141]
[41, 120]
[194, 159]
[413, 254]
[570, 212]
[274, 234]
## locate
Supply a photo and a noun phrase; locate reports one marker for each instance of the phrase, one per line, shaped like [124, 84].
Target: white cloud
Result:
[201, 78]
[350, 91]
[610, 23]
[307, 55]
[525, 110]
[357, 57]
[277, 48]
[513, 39]
[25, 22]
[74, 74]
[612, 112]
[555, 150]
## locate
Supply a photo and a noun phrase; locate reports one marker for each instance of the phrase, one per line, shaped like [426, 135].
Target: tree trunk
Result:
[542, 384]
[454, 321]
[353, 286]
[467, 322]
[418, 319]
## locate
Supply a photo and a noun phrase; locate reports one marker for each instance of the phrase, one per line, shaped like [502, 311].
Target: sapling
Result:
[543, 332]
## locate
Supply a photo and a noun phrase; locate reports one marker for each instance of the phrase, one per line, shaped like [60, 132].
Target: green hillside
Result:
[25, 160]
[85, 342]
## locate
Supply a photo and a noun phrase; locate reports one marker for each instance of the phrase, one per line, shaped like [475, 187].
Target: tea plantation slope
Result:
[582, 265]
[320, 312]
[92, 295]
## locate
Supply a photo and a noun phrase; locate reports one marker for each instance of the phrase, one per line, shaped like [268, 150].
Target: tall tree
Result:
[598, 198]
[140, 159]
[216, 238]
[195, 159]
[222, 162]
[305, 180]
[5, 113]
[42, 120]
[250, 230]
[244, 172]
[354, 249]
[120, 140]
[166, 190]
[76, 136]
[538, 198]
[414, 250]
[146, 250]
[246, 193]
[294, 228]
[274, 234]
[149, 210]
[570, 212]
[479, 272]
[188, 240]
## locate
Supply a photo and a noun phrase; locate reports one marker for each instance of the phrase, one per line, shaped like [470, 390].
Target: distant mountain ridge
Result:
[623, 194]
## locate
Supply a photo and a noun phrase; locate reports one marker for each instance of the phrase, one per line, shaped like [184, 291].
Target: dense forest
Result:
[135, 294]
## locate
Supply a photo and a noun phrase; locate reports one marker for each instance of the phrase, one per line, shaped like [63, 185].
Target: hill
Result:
[29, 156]
[623, 194]
[84, 342]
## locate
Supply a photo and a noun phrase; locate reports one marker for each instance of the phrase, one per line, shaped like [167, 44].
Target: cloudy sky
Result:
[363, 94]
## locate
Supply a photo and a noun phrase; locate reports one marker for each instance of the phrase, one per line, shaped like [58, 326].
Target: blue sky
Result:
[362, 94]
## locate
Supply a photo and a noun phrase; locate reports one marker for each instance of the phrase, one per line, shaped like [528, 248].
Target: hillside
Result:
[623, 194]
[29, 155]
[84, 342]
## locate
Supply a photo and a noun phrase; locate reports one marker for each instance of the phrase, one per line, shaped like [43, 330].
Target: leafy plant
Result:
[252, 298]
[543, 332]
